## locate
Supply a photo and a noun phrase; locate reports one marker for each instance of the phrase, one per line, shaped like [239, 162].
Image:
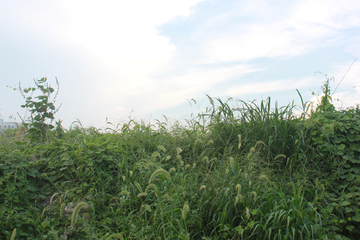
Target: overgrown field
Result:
[248, 171]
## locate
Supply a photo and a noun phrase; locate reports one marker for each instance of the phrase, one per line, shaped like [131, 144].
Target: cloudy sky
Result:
[116, 58]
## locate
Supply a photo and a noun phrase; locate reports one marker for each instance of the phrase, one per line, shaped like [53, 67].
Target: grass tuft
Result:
[249, 170]
[160, 171]
[76, 211]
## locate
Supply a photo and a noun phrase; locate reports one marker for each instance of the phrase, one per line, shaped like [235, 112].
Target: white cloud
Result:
[286, 30]
[197, 82]
[349, 72]
[331, 13]
[344, 85]
[119, 43]
[103, 31]
[125, 31]
[256, 41]
[267, 87]
[174, 90]
[341, 100]
[346, 88]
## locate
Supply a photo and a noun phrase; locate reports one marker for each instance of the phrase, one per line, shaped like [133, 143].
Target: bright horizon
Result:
[149, 59]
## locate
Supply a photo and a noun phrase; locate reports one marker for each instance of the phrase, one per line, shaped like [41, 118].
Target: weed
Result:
[248, 171]
[41, 110]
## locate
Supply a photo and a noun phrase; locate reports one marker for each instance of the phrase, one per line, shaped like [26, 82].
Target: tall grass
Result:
[231, 173]
[277, 127]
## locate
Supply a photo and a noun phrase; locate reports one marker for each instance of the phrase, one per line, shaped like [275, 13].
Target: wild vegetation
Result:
[240, 170]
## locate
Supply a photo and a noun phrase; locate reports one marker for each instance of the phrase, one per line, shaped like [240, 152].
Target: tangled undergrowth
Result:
[244, 172]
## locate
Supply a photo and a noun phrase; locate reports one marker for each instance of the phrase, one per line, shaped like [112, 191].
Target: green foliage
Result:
[335, 140]
[325, 102]
[41, 108]
[277, 127]
[253, 171]
[181, 189]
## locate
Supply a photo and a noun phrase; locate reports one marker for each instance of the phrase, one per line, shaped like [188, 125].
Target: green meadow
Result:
[239, 170]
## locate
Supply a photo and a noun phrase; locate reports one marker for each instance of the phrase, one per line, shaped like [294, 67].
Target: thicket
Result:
[249, 171]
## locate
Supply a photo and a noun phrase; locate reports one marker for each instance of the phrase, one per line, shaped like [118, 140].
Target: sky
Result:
[141, 59]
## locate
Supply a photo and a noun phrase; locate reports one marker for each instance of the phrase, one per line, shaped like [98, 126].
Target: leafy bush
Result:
[41, 110]
[244, 172]
[334, 141]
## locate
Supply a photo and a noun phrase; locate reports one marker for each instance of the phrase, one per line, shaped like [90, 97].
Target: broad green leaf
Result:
[353, 137]
[329, 209]
[348, 209]
[345, 203]
[350, 177]
[350, 227]
[341, 147]
[45, 223]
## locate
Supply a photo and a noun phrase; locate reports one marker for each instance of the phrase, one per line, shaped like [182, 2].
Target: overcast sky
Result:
[149, 58]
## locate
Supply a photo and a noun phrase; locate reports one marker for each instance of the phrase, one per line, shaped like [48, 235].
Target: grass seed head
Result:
[251, 153]
[167, 196]
[62, 208]
[153, 186]
[76, 211]
[115, 235]
[255, 195]
[236, 200]
[160, 171]
[42, 214]
[178, 150]
[51, 199]
[161, 148]
[258, 143]
[279, 156]
[185, 211]
[248, 213]
[231, 161]
[137, 185]
[155, 155]
[238, 188]
[147, 207]
[13, 234]
[143, 194]
[263, 176]
[125, 193]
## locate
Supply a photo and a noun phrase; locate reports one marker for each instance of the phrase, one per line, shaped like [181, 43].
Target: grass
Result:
[242, 172]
